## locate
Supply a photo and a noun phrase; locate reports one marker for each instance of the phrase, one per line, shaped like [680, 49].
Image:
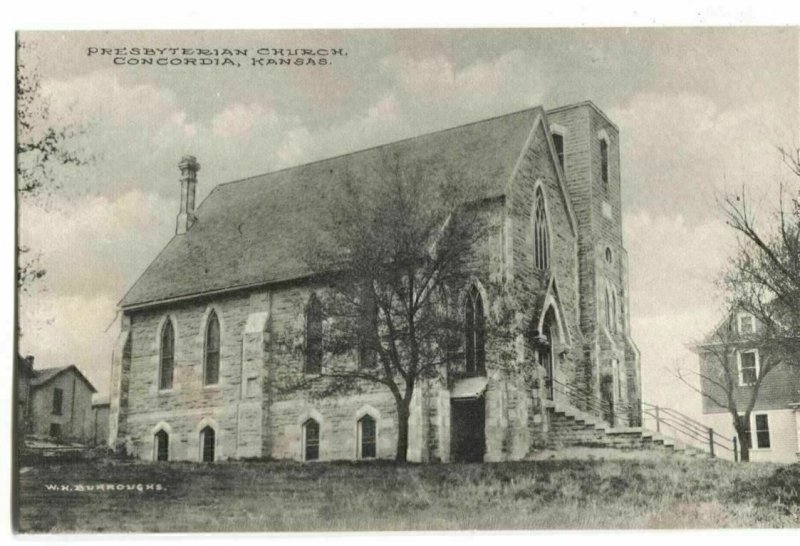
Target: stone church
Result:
[193, 367]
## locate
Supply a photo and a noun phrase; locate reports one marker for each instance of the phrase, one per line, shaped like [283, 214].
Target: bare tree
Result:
[763, 281]
[764, 276]
[394, 250]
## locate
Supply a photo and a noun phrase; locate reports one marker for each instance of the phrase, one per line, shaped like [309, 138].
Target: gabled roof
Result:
[247, 232]
[45, 375]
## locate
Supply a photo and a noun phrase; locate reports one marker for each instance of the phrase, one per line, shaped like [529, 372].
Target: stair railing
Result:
[593, 404]
[689, 429]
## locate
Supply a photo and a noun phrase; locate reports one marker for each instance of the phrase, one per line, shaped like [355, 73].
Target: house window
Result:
[313, 336]
[207, 444]
[745, 424]
[58, 401]
[748, 367]
[747, 324]
[474, 329]
[604, 161]
[211, 371]
[311, 440]
[161, 446]
[55, 430]
[558, 143]
[541, 256]
[167, 364]
[762, 431]
[367, 437]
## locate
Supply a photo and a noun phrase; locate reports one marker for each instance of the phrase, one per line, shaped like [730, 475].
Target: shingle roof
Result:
[247, 232]
[45, 375]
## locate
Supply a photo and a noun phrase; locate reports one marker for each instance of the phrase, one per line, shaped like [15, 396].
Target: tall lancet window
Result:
[475, 331]
[541, 253]
[167, 359]
[313, 364]
[211, 371]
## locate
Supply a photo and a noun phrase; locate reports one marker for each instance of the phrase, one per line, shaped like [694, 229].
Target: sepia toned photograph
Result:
[407, 280]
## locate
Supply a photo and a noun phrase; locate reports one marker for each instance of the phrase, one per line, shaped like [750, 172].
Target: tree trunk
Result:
[744, 440]
[744, 449]
[403, 413]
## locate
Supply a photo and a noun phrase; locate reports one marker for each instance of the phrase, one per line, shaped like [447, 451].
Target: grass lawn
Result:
[575, 490]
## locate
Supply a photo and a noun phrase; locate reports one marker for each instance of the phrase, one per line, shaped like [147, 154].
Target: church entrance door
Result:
[468, 435]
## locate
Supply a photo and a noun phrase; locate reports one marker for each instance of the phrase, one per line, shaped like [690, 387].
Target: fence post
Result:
[735, 449]
[658, 422]
[711, 440]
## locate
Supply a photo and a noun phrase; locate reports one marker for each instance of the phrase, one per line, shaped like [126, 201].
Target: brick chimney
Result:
[189, 167]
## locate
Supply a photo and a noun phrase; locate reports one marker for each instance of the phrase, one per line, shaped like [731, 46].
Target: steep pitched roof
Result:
[46, 375]
[247, 232]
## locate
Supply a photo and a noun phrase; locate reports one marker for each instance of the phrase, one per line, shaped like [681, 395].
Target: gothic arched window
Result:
[167, 358]
[310, 440]
[541, 252]
[613, 310]
[475, 331]
[313, 336]
[207, 444]
[161, 451]
[367, 437]
[211, 370]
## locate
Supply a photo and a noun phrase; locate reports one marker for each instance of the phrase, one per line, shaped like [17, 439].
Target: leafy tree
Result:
[396, 247]
[42, 145]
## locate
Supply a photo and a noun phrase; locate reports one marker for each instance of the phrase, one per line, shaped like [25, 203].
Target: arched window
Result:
[558, 143]
[167, 358]
[310, 440]
[541, 253]
[604, 161]
[609, 256]
[367, 437]
[161, 451]
[313, 336]
[475, 331]
[207, 444]
[548, 350]
[613, 310]
[211, 369]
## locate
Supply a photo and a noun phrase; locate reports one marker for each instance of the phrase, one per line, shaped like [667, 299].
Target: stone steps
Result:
[573, 427]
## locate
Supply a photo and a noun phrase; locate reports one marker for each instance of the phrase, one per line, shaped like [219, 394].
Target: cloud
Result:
[238, 119]
[684, 149]
[66, 329]
[514, 79]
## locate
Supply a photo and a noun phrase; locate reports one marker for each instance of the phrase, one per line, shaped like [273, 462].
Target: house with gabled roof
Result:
[758, 375]
[194, 365]
[55, 403]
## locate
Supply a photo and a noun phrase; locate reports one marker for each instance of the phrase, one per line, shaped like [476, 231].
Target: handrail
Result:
[593, 402]
[681, 423]
[691, 428]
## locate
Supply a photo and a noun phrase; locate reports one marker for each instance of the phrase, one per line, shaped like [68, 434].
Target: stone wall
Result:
[262, 336]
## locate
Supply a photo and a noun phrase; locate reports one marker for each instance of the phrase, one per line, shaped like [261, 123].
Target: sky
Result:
[700, 112]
